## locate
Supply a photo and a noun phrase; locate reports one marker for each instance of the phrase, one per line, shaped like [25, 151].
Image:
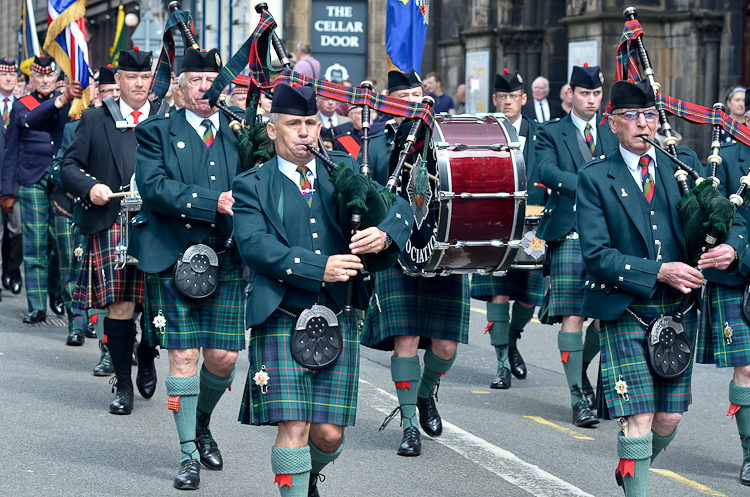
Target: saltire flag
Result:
[121, 42]
[28, 41]
[405, 31]
[66, 42]
[163, 75]
[627, 58]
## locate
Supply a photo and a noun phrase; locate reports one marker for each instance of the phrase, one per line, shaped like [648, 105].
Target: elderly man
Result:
[564, 147]
[347, 137]
[289, 234]
[100, 161]
[539, 107]
[637, 262]
[185, 163]
[327, 114]
[238, 97]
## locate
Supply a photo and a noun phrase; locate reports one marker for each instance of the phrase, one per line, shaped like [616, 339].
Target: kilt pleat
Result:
[722, 305]
[40, 262]
[519, 285]
[567, 273]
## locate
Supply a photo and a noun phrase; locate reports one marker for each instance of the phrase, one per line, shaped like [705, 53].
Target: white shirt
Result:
[289, 170]
[11, 98]
[196, 122]
[327, 120]
[538, 106]
[631, 160]
[517, 126]
[581, 125]
[127, 111]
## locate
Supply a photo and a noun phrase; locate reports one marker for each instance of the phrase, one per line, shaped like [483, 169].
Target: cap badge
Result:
[218, 59]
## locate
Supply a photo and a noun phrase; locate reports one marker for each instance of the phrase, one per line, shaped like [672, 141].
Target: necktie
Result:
[330, 122]
[5, 113]
[304, 184]
[136, 114]
[208, 135]
[589, 138]
[541, 112]
[646, 180]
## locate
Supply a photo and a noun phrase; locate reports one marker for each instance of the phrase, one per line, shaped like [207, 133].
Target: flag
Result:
[66, 42]
[28, 42]
[121, 42]
[405, 31]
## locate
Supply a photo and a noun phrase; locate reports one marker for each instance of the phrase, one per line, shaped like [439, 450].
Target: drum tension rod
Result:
[496, 147]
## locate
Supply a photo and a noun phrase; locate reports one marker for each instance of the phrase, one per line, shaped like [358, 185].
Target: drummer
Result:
[98, 162]
[565, 145]
[525, 288]
[412, 312]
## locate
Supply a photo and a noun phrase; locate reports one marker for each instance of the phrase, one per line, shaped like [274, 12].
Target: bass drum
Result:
[470, 209]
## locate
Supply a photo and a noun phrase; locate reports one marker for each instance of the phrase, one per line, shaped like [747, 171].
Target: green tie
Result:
[208, 135]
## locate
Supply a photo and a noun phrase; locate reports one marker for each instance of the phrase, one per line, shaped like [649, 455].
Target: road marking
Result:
[690, 483]
[575, 434]
[482, 311]
[480, 391]
[499, 461]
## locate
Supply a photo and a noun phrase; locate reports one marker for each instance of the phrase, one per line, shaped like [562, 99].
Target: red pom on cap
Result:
[109, 66]
[585, 64]
[41, 56]
[203, 50]
[135, 48]
[505, 70]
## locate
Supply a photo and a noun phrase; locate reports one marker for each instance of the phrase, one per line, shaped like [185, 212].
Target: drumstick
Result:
[433, 178]
[121, 194]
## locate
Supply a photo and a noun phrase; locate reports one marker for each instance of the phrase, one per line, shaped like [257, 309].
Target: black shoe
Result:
[105, 367]
[58, 306]
[90, 331]
[6, 281]
[582, 415]
[588, 390]
[134, 360]
[123, 403]
[189, 476]
[745, 473]
[207, 448]
[618, 479]
[429, 417]
[517, 366]
[502, 379]
[35, 316]
[312, 488]
[16, 283]
[76, 337]
[411, 444]
[145, 380]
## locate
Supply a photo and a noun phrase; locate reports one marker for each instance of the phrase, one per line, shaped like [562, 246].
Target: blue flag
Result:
[28, 43]
[405, 31]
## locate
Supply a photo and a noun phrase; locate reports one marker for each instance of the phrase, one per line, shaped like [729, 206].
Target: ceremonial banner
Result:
[66, 42]
[121, 42]
[405, 31]
[28, 42]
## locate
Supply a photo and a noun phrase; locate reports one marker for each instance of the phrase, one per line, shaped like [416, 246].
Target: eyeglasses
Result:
[632, 115]
[507, 96]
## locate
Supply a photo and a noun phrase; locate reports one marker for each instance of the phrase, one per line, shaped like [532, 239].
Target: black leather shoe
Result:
[745, 473]
[618, 479]
[6, 281]
[123, 403]
[75, 337]
[104, 368]
[582, 415]
[189, 476]
[145, 380]
[411, 444]
[207, 447]
[588, 390]
[35, 316]
[58, 306]
[312, 489]
[16, 283]
[429, 417]
[90, 331]
[517, 366]
[502, 379]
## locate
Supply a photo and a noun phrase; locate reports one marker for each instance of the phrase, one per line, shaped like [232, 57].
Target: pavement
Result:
[60, 440]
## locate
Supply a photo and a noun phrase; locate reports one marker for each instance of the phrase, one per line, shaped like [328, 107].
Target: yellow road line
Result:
[482, 311]
[690, 483]
[574, 434]
[480, 391]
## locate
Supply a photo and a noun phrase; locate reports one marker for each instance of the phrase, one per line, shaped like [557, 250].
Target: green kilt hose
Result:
[623, 353]
[566, 280]
[294, 392]
[518, 285]
[214, 322]
[99, 283]
[426, 307]
[722, 304]
[68, 239]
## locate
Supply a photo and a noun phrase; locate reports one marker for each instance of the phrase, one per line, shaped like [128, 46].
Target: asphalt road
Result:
[58, 438]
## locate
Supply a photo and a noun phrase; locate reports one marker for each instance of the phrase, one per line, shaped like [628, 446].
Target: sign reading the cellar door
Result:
[339, 39]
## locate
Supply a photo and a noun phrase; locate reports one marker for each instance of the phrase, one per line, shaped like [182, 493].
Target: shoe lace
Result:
[316, 478]
[113, 382]
[122, 386]
[411, 434]
[189, 454]
[392, 415]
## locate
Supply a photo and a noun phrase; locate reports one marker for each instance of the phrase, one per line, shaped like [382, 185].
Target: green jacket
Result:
[615, 232]
[262, 224]
[380, 153]
[180, 184]
[558, 160]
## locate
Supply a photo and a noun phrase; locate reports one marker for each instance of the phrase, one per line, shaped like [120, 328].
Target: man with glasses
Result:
[565, 145]
[525, 288]
[636, 257]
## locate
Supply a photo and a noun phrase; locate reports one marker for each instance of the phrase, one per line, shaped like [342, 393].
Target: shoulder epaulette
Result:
[595, 160]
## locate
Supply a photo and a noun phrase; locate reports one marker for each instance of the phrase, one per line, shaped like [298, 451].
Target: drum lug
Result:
[442, 145]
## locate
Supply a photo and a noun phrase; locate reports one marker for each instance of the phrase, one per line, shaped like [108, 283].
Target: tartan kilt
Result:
[214, 322]
[414, 306]
[623, 353]
[518, 284]
[99, 283]
[567, 273]
[723, 304]
[294, 392]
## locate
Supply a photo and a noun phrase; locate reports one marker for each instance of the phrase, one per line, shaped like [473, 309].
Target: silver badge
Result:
[218, 60]
[601, 77]
[53, 66]
[180, 144]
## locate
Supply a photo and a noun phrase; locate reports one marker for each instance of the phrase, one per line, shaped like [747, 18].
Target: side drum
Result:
[470, 207]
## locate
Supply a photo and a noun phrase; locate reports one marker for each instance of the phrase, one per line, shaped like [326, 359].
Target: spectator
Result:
[305, 63]
[461, 99]
[566, 97]
[433, 87]
[734, 102]
[19, 90]
[327, 113]
[539, 107]
[343, 107]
